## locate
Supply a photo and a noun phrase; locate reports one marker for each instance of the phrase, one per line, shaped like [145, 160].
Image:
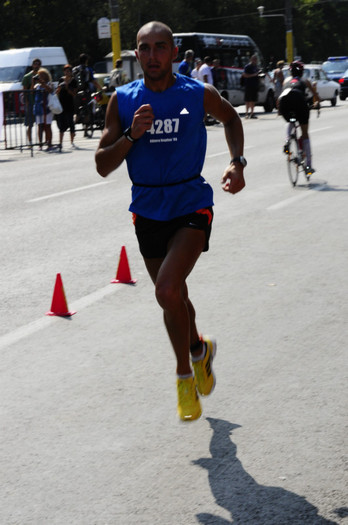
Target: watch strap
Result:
[240, 159]
[127, 134]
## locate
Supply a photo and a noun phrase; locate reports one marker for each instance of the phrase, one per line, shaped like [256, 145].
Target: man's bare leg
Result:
[169, 275]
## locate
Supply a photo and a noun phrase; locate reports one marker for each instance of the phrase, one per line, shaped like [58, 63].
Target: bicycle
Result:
[84, 112]
[296, 157]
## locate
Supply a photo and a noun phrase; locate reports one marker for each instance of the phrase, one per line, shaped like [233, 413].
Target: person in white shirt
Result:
[194, 72]
[204, 74]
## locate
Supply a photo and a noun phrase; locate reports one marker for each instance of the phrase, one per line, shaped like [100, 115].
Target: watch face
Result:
[242, 160]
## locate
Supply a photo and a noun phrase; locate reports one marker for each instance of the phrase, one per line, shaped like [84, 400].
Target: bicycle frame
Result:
[296, 158]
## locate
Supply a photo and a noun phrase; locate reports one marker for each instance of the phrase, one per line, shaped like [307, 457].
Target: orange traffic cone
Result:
[59, 305]
[123, 274]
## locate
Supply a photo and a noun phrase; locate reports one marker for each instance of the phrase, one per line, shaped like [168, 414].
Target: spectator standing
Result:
[117, 76]
[185, 66]
[194, 72]
[205, 74]
[271, 64]
[251, 83]
[215, 71]
[28, 85]
[278, 79]
[43, 115]
[84, 76]
[66, 91]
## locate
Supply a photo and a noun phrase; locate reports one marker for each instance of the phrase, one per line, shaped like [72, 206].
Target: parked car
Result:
[327, 89]
[334, 67]
[229, 86]
[343, 82]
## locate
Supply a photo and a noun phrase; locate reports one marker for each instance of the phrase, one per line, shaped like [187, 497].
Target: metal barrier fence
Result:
[17, 119]
[18, 128]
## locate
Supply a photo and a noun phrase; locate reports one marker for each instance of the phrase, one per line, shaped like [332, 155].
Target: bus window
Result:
[232, 50]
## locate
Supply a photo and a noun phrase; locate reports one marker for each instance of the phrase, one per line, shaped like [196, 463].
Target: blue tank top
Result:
[165, 164]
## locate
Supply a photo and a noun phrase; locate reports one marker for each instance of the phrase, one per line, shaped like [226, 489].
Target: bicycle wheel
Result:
[293, 161]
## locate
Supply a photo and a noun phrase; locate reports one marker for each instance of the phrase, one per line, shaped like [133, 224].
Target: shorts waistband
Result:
[165, 185]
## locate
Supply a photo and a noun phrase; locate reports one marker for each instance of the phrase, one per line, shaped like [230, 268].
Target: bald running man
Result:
[156, 124]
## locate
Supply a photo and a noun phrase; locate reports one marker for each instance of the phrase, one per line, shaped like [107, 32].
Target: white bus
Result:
[234, 52]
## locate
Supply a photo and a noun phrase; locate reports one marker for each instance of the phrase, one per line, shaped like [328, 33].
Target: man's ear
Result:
[136, 54]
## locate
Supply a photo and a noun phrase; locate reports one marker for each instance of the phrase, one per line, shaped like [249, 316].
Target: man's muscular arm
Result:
[232, 179]
[114, 146]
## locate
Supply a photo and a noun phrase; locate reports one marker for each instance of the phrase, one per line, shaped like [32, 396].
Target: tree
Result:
[73, 25]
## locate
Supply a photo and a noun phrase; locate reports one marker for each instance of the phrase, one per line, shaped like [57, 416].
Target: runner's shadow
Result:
[236, 491]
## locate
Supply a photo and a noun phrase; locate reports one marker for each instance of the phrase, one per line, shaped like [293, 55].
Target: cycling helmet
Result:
[296, 68]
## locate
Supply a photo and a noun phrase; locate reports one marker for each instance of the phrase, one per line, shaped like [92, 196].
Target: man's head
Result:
[118, 63]
[83, 58]
[208, 60]
[198, 62]
[253, 59]
[36, 64]
[155, 50]
[189, 54]
[296, 68]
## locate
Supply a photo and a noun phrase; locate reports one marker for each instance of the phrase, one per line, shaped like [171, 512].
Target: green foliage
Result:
[319, 26]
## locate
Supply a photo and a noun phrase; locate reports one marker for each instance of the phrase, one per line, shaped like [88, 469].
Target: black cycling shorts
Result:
[294, 103]
[154, 236]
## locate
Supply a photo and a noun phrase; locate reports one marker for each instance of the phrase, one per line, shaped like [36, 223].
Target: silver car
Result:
[230, 87]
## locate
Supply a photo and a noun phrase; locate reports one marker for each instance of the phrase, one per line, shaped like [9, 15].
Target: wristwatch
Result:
[128, 135]
[242, 160]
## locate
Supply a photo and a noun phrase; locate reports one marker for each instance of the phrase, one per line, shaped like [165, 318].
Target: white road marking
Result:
[89, 186]
[226, 152]
[28, 329]
[58, 194]
[320, 129]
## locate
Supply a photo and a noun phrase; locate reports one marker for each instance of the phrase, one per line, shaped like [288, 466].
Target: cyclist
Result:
[293, 102]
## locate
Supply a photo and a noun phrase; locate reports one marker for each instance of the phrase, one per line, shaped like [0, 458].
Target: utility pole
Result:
[289, 35]
[288, 27]
[115, 31]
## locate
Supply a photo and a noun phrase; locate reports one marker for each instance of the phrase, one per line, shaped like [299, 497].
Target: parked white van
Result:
[15, 63]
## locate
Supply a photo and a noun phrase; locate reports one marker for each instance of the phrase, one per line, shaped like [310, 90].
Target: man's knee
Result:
[168, 295]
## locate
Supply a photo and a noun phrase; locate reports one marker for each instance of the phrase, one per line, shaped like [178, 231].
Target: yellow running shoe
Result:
[189, 406]
[204, 374]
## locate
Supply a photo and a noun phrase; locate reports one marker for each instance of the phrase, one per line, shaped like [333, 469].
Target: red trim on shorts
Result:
[205, 211]
[134, 218]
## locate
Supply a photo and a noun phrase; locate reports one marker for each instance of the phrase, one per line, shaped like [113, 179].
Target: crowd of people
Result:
[38, 86]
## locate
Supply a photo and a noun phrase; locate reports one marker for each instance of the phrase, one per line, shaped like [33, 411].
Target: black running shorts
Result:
[154, 236]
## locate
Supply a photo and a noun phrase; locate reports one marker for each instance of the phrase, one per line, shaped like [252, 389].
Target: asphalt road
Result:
[89, 432]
